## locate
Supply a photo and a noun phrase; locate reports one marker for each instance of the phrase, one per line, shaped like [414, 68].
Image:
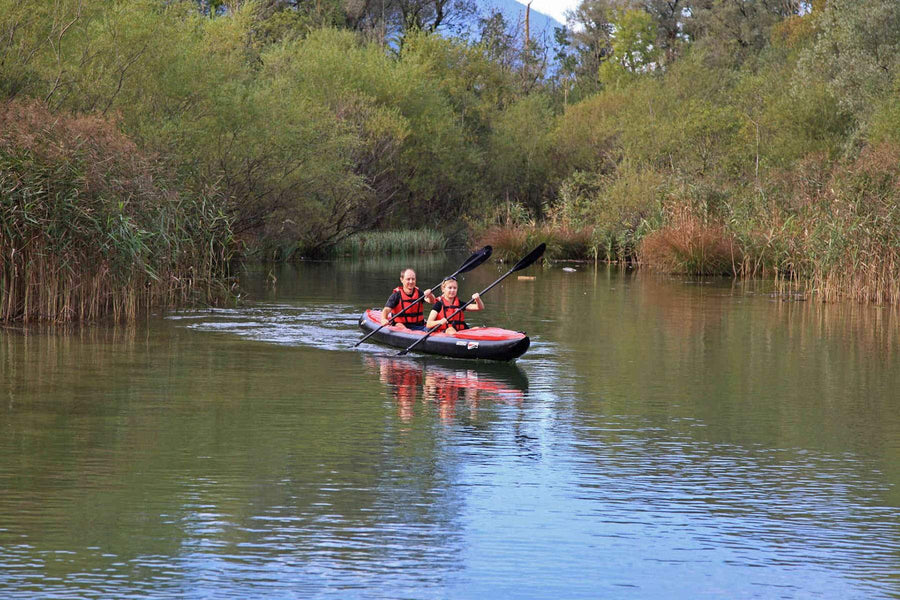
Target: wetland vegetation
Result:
[145, 145]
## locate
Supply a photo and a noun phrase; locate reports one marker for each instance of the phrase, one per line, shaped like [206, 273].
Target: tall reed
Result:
[90, 226]
[838, 240]
[512, 242]
[383, 243]
[688, 245]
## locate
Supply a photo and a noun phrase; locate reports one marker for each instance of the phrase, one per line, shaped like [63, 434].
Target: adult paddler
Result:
[405, 295]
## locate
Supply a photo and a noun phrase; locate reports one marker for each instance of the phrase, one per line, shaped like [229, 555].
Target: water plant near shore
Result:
[92, 227]
[511, 242]
[688, 245]
[384, 243]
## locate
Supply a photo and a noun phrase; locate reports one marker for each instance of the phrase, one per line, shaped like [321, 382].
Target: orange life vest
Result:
[413, 316]
[458, 321]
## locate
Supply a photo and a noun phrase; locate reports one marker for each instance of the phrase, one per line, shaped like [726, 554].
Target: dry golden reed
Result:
[688, 245]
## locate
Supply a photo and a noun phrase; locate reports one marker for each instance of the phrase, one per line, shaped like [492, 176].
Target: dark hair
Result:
[403, 272]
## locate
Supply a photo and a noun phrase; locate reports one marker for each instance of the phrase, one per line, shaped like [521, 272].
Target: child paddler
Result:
[448, 304]
[405, 296]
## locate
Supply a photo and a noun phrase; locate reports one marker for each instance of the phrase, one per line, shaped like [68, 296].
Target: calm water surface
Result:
[663, 438]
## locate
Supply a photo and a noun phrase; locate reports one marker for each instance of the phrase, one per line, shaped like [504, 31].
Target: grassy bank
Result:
[386, 243]
[91, 227]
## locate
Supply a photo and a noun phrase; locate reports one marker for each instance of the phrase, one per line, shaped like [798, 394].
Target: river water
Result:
[664, 437]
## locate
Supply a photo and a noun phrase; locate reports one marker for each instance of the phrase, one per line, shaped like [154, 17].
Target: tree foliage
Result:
[856, 51]
[317, 119]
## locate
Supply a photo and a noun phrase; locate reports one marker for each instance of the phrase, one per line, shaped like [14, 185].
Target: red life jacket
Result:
[415, 315]
[458, 321]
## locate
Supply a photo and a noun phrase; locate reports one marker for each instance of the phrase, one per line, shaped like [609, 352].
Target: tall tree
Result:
[669, 16]
[857, 51]
[633, 48]
[732, 30]
[589, 31]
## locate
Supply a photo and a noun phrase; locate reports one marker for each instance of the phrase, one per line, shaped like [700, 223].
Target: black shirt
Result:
[393, 301]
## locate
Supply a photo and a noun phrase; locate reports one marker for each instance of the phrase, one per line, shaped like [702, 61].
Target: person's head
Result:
[449, 287]
[408, 279]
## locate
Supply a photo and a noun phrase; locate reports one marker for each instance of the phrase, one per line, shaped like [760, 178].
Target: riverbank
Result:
[273, 132]
[830, 231]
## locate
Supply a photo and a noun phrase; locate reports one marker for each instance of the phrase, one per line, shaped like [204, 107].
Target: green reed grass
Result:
[91, 229]
[383, 243]
[838, 242]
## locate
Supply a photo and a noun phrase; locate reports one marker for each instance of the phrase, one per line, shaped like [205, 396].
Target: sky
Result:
[553, 8]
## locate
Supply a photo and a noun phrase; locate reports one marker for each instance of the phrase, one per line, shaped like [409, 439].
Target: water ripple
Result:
[326, 327]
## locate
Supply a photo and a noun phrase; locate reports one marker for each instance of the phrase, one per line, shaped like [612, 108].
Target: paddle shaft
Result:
[535, 254]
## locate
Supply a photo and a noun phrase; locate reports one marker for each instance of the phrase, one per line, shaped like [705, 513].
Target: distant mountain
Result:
[541, 25]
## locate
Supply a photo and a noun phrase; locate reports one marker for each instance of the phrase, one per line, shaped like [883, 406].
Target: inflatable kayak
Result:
[489, 343]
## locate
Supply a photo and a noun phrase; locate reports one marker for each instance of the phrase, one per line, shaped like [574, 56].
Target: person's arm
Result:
[433, 321]
[429, 297]
[479, 305]
[389, 306]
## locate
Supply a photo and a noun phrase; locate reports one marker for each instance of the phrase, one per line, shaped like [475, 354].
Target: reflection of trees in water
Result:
[33, 356]
[173, 449]
[708, 302]
[447, 387]
[728, 362]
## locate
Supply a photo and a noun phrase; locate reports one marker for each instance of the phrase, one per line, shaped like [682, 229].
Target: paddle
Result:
[473, 261]
[522, 264]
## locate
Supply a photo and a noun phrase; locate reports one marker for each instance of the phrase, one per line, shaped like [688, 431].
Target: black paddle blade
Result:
[476, 259]
[528, 260]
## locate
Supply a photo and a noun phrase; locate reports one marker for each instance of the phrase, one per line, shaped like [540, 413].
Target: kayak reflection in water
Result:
[444, 387]
[442, 316]
[446, 390]
[407, 299]
[404, 379]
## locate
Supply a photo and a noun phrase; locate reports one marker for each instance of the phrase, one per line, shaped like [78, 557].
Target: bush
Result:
[687, 245]
[617, 209]
[513, 242]
[92, 226]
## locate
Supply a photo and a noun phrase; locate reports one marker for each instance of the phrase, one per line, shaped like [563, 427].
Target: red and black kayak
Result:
[489, 343]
